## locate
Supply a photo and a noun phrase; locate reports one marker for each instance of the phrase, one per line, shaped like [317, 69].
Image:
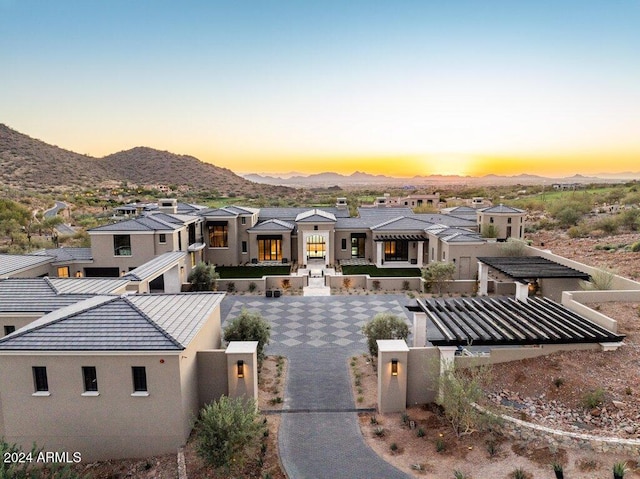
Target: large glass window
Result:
[396, 250]
[357, 245]
[122, 245]
[219, 236]
[316, 247]
[269, 248]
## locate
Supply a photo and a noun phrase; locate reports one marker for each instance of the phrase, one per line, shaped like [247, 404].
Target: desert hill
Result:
[29, 163]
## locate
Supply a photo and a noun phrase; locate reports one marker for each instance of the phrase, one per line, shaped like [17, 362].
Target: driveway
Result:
[319, 433]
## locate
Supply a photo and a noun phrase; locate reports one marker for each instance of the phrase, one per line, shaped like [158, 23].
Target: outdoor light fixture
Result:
[240, 368]
[394, 367]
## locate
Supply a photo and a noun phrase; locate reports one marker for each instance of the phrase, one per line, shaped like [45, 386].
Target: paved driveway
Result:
[319, 433]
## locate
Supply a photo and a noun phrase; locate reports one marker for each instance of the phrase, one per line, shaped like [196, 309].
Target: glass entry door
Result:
[316, 247]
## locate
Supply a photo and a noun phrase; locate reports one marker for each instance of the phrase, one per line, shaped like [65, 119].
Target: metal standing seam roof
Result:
[166, 322]
[506, 321]
[531, 267]
[12, 263]
[156, 265]
[502, 209]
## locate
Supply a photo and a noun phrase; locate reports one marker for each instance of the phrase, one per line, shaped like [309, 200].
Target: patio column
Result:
[420, 253]
[242, 369]
[447, 359]
[419, 330]
[392, 375]
[379, 251]
[483, 277]
[522, 291]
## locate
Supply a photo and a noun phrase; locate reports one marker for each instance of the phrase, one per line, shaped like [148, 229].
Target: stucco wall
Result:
[111, 425]
[224, 256]
[423, 371]
[212, 375]
[553, 287]
[18, 320]
[36, 271]
[504, 355]
[143, 249]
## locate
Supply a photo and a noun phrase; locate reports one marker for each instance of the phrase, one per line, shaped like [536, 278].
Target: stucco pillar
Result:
[392, 375]
[420, 253]
[522, 291]
[242, 369]
[483, 277]
[379, 251]
[419, 330]
[172, 280]
[447, 358]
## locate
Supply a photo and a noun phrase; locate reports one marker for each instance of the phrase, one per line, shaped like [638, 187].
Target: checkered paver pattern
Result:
[317, 321]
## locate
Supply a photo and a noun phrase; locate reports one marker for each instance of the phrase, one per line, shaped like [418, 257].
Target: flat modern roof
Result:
[531, 267]
[505, 321]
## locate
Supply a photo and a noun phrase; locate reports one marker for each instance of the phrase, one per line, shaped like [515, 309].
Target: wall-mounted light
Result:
[240, 366]
[394, 367]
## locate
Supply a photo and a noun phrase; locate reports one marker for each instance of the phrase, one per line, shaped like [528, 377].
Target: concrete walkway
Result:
[319, 433]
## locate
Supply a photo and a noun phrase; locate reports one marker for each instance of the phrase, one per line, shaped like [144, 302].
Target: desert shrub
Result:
[518, 473]
[437, 273]
[441, 446]
[231, 287]
[252, 287]
[630, 219]
[285, 284]
[592, 399]
[346, 282]
[635, 247]
[513, 247]
[461, 389]
[569, 213]
[489, 231]
[600, 280]
[203, 277]
[384, 326]
[393, 447]
[249, 326]
[376, 284]
[229, 431]
[379, 431]
[406, 285]
[579, 231]
[609, 225]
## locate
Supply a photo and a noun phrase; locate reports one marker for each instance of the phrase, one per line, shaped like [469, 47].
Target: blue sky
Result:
[413, 87]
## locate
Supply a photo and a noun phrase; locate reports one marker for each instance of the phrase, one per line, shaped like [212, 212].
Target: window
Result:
[63, 271]
[243, 220]
[490, 219]
[269, 248]
[509, 220]
[396, 250]
[162, 238]
[139, 374]
[244, 247]
[40, 382]
[9, 329]
[344, 244]
[508, 231]
[218, 235]
[179, 240]
[90, 379]
[193, 259]
[122, 245]
[315, 227]
[357, 245]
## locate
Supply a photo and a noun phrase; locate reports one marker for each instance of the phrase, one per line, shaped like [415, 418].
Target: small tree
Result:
[460, 389]
[437, 273]
[249, 326]
[203, 277]
[229, 431]
[513, 247]
[384, 326]
[489, 231]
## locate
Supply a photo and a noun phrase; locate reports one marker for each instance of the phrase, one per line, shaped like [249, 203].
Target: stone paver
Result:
[319, 437]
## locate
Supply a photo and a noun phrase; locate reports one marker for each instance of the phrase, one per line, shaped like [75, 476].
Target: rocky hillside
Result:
[28, 163]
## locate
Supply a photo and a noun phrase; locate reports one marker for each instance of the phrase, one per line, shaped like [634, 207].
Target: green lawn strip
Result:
[228, 272]
[374, 271]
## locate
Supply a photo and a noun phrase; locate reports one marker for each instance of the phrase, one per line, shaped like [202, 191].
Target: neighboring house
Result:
[109, 376]
[507, 221]
[411, 201]
[68, 262]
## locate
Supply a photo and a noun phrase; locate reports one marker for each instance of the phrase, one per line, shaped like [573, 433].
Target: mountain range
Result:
[28, 163]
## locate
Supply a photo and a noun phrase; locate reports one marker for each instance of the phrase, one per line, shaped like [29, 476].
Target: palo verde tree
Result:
[203, 277]
[228, 432]
[249, 326]
[437, 273]
[384, 326]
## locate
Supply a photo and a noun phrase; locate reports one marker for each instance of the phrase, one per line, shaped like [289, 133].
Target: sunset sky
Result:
[397, 87]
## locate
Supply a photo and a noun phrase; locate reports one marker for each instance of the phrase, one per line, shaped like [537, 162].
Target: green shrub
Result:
[393, 447]
[420, 432]
[600, 280]
[252, 287]
[441, 446]
[593, 399]
[203, 277]
[384, 326]
[231, 287]
[513, 247]
[518, 473]
[437, 273]
[249, 326]
[609, 225]
[229, 431]
[636, 247]
[379, 431]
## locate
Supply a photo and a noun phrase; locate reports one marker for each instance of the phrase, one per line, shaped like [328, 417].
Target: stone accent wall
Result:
[526, 431]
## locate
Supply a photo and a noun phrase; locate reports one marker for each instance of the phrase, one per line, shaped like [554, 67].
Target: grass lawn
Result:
[372, 271]
[228, 272]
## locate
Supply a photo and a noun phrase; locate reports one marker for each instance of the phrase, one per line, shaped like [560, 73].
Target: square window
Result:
[90, 378]
[63, 271]
[9, 329]
[139, 374]
[122, 245]
[40, 382]
[162, 238]
[315, 227]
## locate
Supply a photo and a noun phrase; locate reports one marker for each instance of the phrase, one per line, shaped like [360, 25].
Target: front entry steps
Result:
[316, 287]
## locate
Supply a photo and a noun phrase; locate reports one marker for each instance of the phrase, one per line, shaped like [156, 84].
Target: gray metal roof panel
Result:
[382, 214]
[289, 214]
[67, 254]
[404, 223]
[273, 225]
[315, 215]
[503, 209]
[11, 263]
[144, 223]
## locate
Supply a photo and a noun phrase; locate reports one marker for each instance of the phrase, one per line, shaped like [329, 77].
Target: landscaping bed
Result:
[374, 271]
[234, 272]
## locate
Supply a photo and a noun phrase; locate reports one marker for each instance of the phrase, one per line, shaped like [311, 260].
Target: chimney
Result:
[341, 203]
[168, 205]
